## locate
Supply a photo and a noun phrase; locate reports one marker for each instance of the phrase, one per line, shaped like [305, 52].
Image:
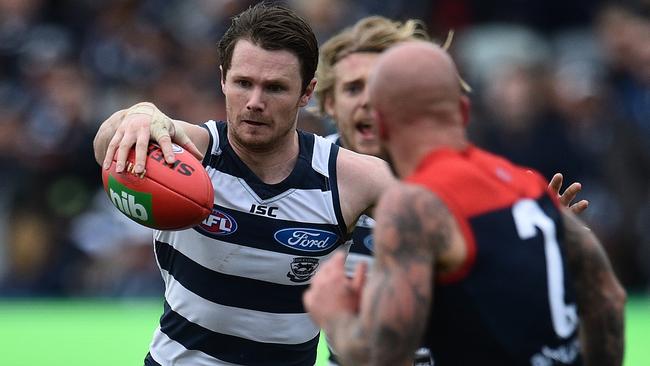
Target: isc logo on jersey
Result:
[305, 239]
[218, 223]
[134, 204]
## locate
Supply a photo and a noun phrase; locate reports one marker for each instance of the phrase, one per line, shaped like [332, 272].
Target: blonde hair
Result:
[370, 34]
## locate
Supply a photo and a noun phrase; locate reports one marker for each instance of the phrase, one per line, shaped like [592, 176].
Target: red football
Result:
[168, 196]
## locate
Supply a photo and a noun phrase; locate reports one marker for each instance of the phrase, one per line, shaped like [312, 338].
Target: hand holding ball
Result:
[166, 196]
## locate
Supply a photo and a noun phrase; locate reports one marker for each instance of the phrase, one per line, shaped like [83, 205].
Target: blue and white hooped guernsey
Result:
[234, 284]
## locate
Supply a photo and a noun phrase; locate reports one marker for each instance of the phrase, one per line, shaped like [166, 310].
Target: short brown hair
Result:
[370, 34]
[272, 27]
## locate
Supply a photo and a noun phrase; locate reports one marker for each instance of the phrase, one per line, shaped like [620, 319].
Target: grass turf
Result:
[109, 332]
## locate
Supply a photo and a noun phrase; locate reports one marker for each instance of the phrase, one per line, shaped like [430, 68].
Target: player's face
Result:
[263, 95]
[348, 104]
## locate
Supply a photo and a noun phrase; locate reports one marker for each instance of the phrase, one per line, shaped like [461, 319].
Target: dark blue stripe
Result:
[335, 191]
[230, 290]
[208, 153]
[302, 176]
[235, 349]
[257, 231]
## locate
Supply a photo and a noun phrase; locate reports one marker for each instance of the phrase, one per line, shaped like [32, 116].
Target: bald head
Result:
[416, 94]
[415, 79]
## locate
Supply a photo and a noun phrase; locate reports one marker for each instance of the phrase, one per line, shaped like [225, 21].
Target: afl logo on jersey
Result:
[306, 240]
[218, 223]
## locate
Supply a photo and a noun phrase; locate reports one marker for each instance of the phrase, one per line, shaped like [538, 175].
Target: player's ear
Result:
[465, 106]
[309, 91]
[223, 78]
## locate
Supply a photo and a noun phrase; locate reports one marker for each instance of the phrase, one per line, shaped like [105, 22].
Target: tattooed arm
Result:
[600, 297]
[411, 233]
[412, 229]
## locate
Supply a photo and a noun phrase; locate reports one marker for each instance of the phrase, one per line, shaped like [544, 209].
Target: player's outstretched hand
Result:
[136, 126]
[569, 194]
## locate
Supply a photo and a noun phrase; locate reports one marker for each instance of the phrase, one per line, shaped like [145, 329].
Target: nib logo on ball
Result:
[134, 204]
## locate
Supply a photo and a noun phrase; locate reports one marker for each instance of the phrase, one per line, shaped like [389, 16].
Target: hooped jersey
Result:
[512, 302]
[234, 284]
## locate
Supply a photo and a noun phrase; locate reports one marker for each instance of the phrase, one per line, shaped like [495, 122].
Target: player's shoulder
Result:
[413, 211]
[361, 179]
[349, 159]
[367, 171]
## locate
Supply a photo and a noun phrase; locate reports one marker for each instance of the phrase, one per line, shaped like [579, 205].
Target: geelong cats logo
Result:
[302, 268]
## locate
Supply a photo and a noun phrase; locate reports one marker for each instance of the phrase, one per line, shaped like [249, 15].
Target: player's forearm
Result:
[602, 336]
[105, 134]
[599, 295]
[601, 309]
[394, 313]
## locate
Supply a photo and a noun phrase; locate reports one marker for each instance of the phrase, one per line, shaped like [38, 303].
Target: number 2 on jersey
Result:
[529, 216]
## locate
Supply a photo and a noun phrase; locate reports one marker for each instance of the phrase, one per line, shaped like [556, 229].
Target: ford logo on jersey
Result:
[308, 240]
[218, 223]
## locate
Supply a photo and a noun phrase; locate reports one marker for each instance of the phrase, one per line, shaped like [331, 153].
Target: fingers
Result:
[133, 131]
[141, 123]
[570, 193]
[323, 277]
[112, 147]
[330, 268]
[578, 207]
[141, 145]
[556, 183]
[123, 149]
[338, 259]
[182, 139]
[161, 132]
[165, 143]
[164, 130]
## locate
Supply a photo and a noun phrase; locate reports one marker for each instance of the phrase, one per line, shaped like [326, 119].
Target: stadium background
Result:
[559, 86]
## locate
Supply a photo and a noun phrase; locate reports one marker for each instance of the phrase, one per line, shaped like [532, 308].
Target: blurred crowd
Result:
[558, 86]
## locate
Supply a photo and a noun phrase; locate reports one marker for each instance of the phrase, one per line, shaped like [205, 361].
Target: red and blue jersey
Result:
[511, 302]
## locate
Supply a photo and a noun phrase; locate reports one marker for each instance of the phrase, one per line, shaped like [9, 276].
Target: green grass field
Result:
[98, 333]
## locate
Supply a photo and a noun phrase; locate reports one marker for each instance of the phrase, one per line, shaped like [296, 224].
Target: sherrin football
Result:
[167, 196]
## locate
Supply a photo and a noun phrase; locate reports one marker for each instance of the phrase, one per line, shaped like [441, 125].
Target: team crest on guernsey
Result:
[302, 268]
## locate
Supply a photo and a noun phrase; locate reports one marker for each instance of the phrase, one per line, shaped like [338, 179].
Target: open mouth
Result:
[365, 129]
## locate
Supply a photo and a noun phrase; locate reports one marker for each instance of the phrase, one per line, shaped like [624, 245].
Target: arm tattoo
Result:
[412, 228]
[600, 297]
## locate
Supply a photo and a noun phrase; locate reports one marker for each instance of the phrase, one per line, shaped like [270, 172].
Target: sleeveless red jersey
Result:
[511, 302]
